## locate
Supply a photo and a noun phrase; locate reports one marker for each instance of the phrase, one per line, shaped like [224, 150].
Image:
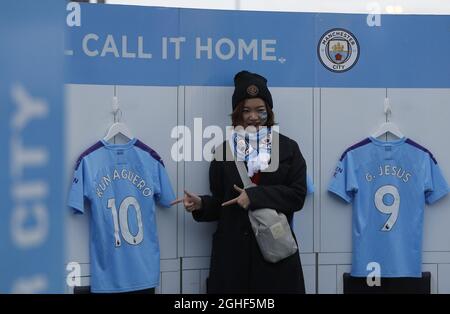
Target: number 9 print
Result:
[392, 209]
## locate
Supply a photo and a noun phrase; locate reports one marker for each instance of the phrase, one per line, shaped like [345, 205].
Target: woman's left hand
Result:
[242, 200]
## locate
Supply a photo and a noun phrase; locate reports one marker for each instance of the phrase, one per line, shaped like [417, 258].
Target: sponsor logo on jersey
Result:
[337, 171]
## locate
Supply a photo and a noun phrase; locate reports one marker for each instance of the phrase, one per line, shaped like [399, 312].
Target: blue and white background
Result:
[32, 153]
[202, 47]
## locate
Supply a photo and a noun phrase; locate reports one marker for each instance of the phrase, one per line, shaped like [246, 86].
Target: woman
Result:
[237, 265]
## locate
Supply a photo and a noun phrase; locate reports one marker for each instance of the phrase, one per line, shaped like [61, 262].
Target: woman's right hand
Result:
[190, 201]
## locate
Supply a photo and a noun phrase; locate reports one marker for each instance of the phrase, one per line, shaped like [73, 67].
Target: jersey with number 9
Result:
[388, 184]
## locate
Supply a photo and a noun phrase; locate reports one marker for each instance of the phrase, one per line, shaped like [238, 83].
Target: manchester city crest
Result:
[338, 50]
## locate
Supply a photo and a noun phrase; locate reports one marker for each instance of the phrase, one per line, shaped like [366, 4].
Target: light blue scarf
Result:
[253, 147]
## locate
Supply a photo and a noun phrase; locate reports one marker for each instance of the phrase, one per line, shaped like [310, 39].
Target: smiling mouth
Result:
[254, 125]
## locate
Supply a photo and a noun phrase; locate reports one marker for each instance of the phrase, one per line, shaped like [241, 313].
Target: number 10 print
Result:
[123, 219]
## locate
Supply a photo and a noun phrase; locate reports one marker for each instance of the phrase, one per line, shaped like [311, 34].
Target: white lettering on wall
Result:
[30, 221]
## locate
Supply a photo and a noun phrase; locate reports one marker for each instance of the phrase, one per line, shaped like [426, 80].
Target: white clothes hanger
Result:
[387, 127]
[117, 127]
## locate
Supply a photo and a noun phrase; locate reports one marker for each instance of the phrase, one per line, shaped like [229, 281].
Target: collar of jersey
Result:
[127, 145]
[387, 143]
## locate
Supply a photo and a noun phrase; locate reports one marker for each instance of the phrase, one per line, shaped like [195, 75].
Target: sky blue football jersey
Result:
[121, 183]
[388, 184]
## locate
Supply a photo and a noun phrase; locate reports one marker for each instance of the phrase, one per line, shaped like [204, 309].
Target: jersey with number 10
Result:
[389, 184]
[122, 182]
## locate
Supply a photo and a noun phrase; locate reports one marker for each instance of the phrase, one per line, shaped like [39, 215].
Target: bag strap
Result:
[240, 165]
[243, 174]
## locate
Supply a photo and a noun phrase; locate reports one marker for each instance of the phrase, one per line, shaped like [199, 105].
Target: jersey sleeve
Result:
[435, 186]
[164, 194]
[78, 190]
[344, 183]
[309, 185]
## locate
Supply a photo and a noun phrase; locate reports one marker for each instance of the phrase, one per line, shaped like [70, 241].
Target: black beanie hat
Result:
[250, 85]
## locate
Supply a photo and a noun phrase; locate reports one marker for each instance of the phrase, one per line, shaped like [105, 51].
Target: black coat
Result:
[237, 265]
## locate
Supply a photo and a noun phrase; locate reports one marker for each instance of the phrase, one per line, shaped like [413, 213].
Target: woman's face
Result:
[254, 113]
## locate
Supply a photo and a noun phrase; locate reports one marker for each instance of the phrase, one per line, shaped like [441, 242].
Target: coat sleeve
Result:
[288, 197]
[212, 204]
